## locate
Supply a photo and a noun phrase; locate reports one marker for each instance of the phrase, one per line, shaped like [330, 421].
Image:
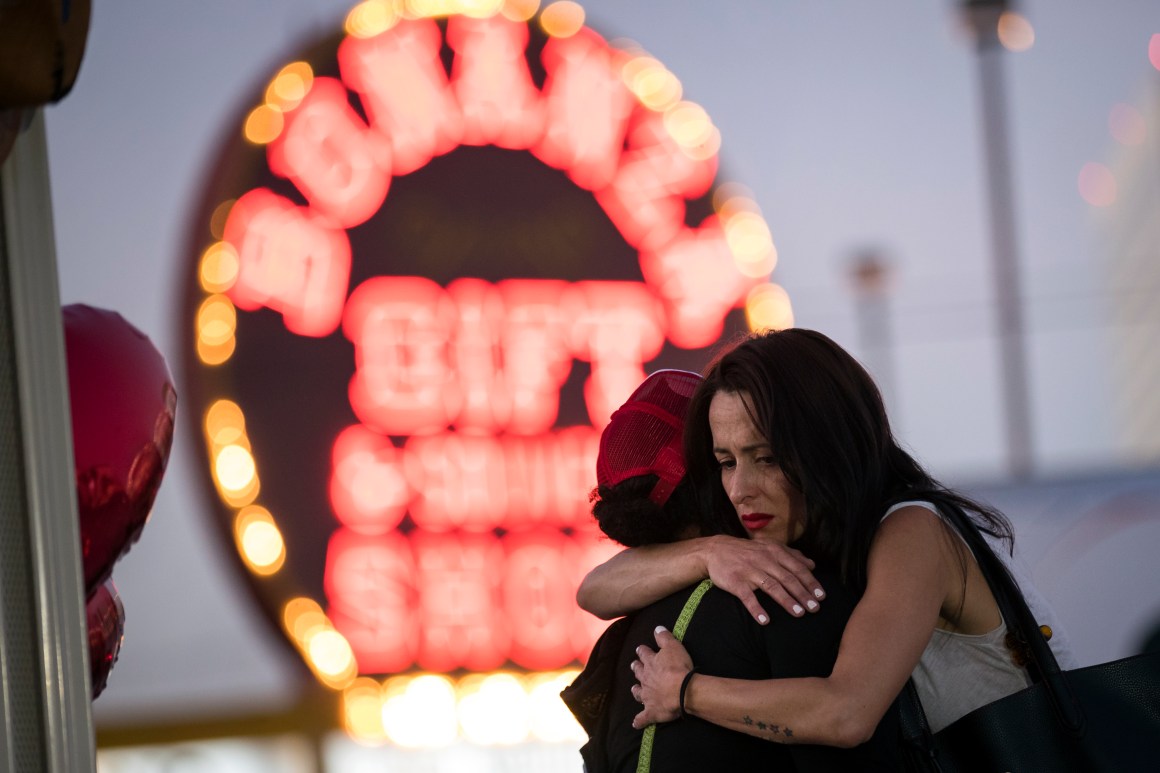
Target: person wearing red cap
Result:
[643, 498]
[790, 432]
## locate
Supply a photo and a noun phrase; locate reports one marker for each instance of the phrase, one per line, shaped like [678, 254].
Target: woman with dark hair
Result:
[790, 432]
[644, 497]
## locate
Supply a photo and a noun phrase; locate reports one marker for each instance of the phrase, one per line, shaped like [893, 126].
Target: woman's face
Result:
[768, 505]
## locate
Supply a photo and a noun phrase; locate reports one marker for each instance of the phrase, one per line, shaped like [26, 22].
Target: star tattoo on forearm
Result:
[774, 732]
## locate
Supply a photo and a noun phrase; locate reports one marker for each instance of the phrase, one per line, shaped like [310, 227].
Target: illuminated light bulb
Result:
[520, 10]
[477, 9]
[362, 711]
[224, 423]
[706, 149]
[421, 9]
[263, 124]
[688, 124]
[215, 355]
[234, 468]
[562, 19]
[1127, 125]
[751, 243]
[421, 714]
[219, 267]
[550, 719]
[767, 307]
[217, 220]
[1097, 185]
[301, 617]
[494, 710]
[660, 89]
[1015, 33]
[652, 83]
[1154, 50]
[216, 320]
[259, 541]
[290, 86]
[371, 18]
[331, 654]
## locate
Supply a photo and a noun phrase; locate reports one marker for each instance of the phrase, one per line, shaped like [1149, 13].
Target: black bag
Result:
[1099, 718]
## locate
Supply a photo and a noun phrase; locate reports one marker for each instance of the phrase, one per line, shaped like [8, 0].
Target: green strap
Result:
[644, 761]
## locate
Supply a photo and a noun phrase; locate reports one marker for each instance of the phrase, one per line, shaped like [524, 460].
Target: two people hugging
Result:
[787, 571]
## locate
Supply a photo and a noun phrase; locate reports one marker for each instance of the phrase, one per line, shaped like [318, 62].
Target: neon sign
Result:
[448, 247]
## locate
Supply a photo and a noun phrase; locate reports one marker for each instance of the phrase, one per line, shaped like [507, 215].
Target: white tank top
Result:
[958, 673]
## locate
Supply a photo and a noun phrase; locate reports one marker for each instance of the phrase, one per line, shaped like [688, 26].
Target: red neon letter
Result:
[404, 91]
[291, 261]
[646, 201]
[401, 328]
[368, 489]
[535, 350]
[549, 477]
[501, 106]
[460, 482]
[478, 356]
[587, 108]
[696, 275]
[342, 167]
[462, 622]
[539, 599]
[618, 327]
[370, 583]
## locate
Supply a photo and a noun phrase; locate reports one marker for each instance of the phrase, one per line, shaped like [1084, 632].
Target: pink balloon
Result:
[106, 620]
[123, 405]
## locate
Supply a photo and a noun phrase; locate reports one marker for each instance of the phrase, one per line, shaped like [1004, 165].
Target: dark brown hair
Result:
[827, 427]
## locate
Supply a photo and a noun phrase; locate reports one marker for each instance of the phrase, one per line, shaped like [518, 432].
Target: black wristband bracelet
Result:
[684, 687]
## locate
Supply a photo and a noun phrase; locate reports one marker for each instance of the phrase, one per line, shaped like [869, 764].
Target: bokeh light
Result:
[420, 712]
[1154, 50]
[1015, 32]
[224, 423]
[520, 10]
[768, 308]
[290, 86]
[551, 721]
[751, 243]
[234, 467]
[1127, 125]
[219, 267]
[216, 320]
[562, 19]
[362, 711]
[259, 541]
[651, 83]
[370, 18]
[493, 709]
[264, 124]
[1097, 185]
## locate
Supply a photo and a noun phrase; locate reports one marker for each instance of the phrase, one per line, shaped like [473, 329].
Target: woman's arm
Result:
[910, 575]
[637, 577]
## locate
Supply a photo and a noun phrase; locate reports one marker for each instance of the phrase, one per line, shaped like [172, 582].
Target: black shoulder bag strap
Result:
[1042, 664]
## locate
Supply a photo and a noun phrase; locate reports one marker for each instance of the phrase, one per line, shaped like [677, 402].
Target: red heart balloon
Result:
[106, 621]
[123, 405]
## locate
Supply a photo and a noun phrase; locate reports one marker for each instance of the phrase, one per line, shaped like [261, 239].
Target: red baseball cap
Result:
[644, 436]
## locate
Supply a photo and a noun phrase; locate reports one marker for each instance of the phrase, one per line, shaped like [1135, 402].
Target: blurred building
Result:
[1131, 242]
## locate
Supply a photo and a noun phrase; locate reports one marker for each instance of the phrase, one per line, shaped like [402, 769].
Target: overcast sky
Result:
[856, 124]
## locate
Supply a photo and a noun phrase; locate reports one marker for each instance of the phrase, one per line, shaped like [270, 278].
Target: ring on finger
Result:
[765, 582]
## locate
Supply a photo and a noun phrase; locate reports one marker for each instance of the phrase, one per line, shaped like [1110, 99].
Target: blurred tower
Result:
[870, 275]
[984, 17]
